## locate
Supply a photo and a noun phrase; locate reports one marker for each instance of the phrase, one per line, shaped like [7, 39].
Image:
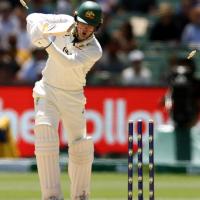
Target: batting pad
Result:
[47, 157]
[81, 156]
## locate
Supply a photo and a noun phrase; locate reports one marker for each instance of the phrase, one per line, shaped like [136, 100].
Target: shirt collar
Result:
[85, 42]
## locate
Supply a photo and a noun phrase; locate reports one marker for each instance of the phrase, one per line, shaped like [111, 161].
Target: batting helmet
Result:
[90, 13]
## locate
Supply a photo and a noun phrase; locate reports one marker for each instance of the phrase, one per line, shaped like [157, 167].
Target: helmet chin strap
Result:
[75, 34]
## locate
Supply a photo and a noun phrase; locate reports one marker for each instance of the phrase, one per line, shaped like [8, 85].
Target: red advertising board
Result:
[107, 111]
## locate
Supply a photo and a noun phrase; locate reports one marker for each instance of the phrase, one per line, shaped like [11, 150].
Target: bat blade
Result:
[24, 4]
[191, 54]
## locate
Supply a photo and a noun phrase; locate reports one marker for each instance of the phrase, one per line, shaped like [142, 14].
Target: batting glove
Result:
[38, 38]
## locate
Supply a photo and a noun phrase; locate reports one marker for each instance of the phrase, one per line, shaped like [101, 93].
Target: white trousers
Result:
[53, 104]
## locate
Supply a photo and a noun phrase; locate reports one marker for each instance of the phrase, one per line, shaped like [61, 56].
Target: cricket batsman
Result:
[59, 96]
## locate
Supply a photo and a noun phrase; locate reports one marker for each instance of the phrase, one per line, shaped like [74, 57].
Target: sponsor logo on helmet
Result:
[90, 15]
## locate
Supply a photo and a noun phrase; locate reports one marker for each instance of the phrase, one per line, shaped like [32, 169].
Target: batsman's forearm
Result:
[50, 24]
[50, 18]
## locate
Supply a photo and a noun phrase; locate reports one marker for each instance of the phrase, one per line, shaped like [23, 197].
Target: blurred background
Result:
[143, 74]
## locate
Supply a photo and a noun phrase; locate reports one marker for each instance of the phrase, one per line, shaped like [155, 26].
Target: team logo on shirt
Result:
[66, 51]
[90, 14]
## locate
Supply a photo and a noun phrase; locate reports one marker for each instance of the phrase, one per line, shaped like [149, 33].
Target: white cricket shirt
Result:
[68, 63]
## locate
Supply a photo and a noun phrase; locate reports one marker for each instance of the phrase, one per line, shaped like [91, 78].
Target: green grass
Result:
[105, 186]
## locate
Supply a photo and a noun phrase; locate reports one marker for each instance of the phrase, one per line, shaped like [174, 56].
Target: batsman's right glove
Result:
[38, 38]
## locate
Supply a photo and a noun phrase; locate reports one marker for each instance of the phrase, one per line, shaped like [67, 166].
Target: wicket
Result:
[139, 127]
